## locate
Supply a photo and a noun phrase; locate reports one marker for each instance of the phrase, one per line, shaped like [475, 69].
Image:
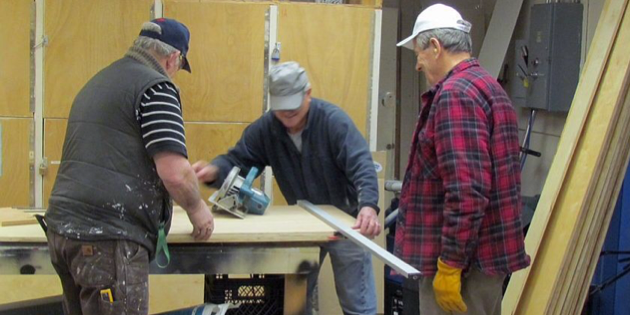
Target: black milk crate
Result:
[257, 294]
[393, 297]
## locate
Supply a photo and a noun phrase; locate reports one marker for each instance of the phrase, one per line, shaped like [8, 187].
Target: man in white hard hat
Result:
[460, 205]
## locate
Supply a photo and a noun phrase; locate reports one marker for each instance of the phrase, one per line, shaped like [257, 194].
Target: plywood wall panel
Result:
[84, 37]
[14, 167]
[334, 44]
[205, 141]
[278, 198]
[227, 58]
[15, 58]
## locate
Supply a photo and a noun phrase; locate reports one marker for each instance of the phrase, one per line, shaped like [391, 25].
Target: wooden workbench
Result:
[279, 224]
[285, 240]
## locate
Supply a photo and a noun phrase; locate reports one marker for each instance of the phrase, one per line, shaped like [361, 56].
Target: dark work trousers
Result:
[481, 293]
[101, 277]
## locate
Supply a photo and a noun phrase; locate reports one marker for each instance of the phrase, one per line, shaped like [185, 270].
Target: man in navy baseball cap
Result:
[173, 33]
[124, 162]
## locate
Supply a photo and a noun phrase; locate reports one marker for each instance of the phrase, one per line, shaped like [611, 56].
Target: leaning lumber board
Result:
[589, 81]
[568, 213]
[613, 89]
[581, 288]
[608, 187]
[560, 205]
[498, 35]
[605, 208]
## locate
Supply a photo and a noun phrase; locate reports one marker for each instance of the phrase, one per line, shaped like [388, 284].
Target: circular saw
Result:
[238, 197]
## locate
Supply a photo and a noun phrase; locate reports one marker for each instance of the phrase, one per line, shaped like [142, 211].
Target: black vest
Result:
[107, 186]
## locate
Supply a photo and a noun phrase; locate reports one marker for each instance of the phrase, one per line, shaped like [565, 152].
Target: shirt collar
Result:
[147, 59]
[462, 66]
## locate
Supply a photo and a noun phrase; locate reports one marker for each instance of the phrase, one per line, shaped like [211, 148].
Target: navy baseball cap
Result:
[173, 33]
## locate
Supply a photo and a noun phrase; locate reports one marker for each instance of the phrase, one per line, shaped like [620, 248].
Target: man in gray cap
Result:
[460, 207]
[317, 154]
[124, 158]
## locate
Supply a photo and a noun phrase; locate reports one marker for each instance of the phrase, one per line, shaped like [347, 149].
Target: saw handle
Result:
[249, 180]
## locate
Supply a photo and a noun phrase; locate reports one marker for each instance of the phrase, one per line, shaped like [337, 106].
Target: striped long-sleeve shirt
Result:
[161, 120]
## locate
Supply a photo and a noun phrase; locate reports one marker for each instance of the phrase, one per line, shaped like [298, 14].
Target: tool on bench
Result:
[238, 197]
[42, 222]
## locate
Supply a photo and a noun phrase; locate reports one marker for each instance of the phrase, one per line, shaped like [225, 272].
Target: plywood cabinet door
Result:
[15, 58]
[84, 37]
[205, 141]
[227, 52]
[334, 44]
[15, 162]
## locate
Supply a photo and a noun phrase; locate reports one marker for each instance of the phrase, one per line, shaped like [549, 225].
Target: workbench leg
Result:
[294, 294]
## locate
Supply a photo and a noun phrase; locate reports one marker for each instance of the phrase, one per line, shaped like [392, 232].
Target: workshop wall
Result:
[15, 113]
[14, 166]
[334, 45]
[84, 37]
[222, 96]
[547, 126]
[227, 56]
[15, 58]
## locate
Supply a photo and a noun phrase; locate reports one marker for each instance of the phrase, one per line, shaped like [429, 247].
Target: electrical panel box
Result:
[519, 83]
[554, 53]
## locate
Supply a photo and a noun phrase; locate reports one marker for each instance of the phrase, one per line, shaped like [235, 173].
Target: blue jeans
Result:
[354, 278]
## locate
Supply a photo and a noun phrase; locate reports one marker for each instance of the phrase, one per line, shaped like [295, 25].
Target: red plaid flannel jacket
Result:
[461, 193]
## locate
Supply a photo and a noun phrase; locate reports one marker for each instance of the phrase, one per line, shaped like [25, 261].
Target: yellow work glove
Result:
[447, 286]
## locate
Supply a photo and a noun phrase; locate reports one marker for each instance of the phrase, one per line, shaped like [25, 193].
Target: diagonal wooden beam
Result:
[602, 125]
[498, 36]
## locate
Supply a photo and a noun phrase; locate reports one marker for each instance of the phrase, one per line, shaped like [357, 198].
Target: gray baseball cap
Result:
[288, 84]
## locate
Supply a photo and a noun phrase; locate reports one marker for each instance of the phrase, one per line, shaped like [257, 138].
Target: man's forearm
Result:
[185, 190]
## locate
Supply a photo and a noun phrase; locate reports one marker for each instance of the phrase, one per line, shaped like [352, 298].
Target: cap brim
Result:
[186, 65]
[288, 102]
[407, 42]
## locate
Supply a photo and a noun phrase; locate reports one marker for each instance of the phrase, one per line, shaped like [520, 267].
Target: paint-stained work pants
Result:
[90, 270]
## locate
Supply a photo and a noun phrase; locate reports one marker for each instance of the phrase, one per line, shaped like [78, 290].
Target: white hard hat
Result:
[433, 17]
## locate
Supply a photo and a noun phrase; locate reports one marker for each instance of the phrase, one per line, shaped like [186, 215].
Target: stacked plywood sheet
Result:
[580, 193]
